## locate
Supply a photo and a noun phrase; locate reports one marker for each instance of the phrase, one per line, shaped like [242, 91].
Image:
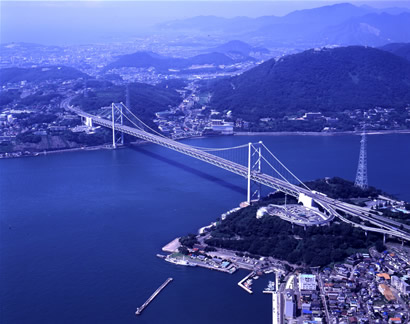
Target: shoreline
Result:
[68, 150]
[137, 143]
[376, 132]
[40, 153]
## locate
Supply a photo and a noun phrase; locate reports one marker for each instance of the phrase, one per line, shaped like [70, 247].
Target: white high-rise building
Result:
[307, 282]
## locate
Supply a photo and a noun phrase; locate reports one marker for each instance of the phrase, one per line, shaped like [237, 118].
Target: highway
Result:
[332, 206]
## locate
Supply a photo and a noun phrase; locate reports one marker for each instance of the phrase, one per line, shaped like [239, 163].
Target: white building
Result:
[307, 282]
[400, 284]
[290, 306]
[226, 128]
[10, 119]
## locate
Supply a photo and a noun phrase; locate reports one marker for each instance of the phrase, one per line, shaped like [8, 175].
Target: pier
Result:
[140, 309]
[240, 283]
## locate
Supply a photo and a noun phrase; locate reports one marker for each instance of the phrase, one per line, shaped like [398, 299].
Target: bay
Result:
[79, 231]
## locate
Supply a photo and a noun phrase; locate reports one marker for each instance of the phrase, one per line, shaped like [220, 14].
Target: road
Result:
[323, 295]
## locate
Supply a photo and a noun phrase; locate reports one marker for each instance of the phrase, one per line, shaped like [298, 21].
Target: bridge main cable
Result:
[241, 170]
[202, 155]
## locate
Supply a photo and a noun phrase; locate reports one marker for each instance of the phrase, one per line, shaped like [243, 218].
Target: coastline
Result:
[376, 132]
[137, 143]
[67, 150]
[39, 153]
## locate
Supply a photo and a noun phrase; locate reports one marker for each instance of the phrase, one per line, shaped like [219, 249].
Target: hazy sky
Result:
[190, 0]
[57, 21]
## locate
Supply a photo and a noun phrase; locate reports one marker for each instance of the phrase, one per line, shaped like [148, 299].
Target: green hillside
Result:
[39, 74]
[327, 80]
[145, 99]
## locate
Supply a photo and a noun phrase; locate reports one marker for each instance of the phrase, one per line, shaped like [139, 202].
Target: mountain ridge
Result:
[308, 27]
[400, 49]
[39, 74]
[327, 80]
[145, 59]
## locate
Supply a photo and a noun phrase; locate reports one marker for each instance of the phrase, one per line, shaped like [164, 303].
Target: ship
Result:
[180, 262]
[271, 286]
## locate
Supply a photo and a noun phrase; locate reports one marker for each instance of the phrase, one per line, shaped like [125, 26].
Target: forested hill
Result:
[145, 99]
[336, 79]
[40, 74]
[400, 49]
[163, 63]
[237, 46]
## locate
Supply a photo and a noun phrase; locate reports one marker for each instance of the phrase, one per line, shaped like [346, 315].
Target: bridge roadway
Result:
[331, 205]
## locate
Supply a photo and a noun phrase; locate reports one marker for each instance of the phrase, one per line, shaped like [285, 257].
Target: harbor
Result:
[200, 261]
[246, 283]
[151, 298]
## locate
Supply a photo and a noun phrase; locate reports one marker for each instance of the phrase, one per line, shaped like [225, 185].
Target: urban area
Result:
[33, 97]
[367, 287]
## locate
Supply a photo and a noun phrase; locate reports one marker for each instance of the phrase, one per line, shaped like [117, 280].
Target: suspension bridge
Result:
[253, 161]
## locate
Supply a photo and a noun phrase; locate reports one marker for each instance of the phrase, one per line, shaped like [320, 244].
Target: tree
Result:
[189, 240]
[183, 250]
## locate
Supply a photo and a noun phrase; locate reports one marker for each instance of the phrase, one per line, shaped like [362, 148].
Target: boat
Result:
[271, 286]
[180, 262]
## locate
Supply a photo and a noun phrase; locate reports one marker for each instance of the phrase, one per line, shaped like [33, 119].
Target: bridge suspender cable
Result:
[208, 149]
[216, 149]
[280, 174]
[153, 130]
[159, 134]
[332, 205]
[285, 167]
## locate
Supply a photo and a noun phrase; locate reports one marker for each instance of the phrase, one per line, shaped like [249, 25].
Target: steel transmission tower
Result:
[361, 175]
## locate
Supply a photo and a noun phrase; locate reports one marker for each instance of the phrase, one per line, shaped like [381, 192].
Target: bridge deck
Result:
[330, 205]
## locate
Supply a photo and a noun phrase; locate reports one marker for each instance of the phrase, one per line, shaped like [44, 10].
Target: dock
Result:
[172, 246]
[151, 298]
[240, 283]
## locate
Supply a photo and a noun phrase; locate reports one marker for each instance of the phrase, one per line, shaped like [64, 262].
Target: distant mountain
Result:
[371, 29]
[316, 80]
[164, 63]
[326, 15]
[342, 24]
[145, 60]
[237, 47]
[39, 74]
[400, 49]
[210, 58]
[391, 11]
[212, 24]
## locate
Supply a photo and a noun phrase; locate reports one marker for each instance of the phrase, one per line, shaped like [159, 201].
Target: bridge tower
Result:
[361, 175]
[116, 116]
[254, 165]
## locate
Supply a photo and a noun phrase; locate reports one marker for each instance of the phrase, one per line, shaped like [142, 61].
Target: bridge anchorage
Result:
[252, 161]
